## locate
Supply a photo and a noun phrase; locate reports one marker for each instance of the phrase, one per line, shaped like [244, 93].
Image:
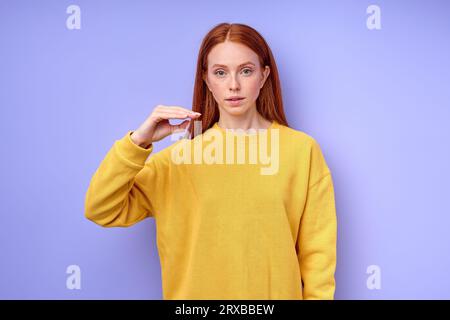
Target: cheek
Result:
[216, 85]
[218, 88]
[253, 86]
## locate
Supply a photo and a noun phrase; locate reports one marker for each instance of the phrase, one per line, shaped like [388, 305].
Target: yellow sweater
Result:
[226, 229]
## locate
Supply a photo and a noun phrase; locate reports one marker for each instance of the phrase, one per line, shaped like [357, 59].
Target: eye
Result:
[247, 71]
[217, 72]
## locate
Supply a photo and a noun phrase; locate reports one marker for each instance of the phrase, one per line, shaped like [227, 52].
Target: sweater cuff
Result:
[132, 153]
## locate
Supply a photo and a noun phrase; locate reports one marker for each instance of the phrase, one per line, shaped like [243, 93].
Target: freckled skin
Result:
[232, 80]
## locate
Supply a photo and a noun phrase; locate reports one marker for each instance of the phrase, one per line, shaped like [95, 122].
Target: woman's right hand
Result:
[157, 126]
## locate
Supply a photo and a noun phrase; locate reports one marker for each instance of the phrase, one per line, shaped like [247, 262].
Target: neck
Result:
[255, 121]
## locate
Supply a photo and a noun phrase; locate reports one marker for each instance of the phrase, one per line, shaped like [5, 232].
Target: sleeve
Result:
[316, 243]
[125, 188]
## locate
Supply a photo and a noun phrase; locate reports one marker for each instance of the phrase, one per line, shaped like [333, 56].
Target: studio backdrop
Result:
[369, 80]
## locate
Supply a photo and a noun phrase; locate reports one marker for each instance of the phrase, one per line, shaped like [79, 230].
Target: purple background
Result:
[377, 101]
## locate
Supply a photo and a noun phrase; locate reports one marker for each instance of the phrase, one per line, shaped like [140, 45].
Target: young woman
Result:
[262, 228]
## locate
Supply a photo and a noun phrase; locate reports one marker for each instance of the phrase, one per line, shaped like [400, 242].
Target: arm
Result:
[316, 245]
[123, 191]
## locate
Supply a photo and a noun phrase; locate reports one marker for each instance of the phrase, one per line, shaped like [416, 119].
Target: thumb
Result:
[180, 127]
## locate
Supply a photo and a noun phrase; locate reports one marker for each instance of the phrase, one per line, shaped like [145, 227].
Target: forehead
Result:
[231, 54]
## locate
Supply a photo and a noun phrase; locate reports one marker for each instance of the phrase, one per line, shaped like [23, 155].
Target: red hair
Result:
[269, 102]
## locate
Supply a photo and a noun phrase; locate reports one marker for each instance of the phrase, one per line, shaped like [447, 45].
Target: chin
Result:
[236, 110]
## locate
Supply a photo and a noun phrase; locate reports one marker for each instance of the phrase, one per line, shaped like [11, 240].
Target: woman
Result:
[227, 229]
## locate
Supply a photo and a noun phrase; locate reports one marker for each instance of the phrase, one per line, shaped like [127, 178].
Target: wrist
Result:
[139, 141]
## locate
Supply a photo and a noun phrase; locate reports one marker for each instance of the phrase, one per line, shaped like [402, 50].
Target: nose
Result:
[234, 85]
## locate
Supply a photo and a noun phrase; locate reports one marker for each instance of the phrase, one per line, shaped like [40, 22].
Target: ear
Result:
[266, 73]
[205, 78]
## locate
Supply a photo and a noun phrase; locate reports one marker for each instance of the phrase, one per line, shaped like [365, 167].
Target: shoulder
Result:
[305, 148]
[297, 138]
[163, 156]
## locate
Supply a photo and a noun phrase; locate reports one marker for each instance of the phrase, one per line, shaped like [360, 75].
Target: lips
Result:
[234, 98]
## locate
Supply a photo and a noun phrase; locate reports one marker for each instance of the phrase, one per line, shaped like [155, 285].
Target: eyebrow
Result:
[243, 64]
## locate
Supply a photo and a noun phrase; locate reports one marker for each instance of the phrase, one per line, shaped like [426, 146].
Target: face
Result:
[234, 70]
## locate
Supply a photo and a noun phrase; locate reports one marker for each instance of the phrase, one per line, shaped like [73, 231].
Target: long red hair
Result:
[269, 102]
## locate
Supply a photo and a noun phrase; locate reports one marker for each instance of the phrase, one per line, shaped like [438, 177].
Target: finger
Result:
[178, 114]
[181, 109]
[170, 109]
[174, 113]
[167, 116]
[180, 127]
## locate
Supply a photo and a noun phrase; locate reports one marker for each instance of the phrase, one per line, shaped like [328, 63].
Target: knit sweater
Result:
[258, 222]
